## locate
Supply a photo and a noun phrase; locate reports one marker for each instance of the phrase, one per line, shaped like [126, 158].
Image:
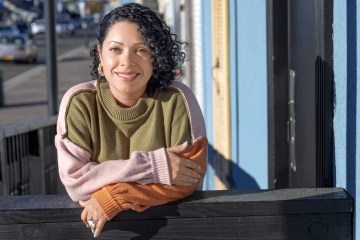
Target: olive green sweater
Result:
[98, 124]
[100, 143]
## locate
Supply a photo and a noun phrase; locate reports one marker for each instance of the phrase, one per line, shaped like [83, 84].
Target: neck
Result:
[127, 100]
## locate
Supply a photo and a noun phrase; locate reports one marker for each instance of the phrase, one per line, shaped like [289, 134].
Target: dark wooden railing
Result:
[230, 214]
[28, 167]
[28, 161]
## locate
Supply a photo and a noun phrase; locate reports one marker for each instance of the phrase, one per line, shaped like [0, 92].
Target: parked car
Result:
[38, 26]
[64, 27]
[18, 47]
[24, 27]
[85, 23]
[9, 29]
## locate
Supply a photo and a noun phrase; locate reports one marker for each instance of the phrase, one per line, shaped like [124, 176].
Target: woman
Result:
[134, 138]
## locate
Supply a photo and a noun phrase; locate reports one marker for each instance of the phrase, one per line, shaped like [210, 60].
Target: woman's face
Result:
[126, 61]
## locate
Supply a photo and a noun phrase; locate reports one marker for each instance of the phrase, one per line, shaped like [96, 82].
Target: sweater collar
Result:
[142, 107]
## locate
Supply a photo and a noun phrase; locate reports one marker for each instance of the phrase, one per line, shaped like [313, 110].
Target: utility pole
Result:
[51, 57]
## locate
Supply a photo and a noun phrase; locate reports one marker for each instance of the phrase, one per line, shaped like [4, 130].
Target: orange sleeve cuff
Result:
[118, 197]
[107, 203]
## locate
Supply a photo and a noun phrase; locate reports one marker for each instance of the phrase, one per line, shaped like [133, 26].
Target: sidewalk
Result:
[25, 96]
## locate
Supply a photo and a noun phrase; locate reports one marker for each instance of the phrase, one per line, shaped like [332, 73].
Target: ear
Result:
[99, 51]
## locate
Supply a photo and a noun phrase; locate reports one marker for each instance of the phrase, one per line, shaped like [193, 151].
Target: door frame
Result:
[280, 175]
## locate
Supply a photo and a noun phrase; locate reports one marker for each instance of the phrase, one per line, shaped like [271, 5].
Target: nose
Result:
[126, 59]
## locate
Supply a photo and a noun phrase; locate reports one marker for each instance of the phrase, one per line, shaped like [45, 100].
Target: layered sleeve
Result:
[119, 197]
[116, 198]
[81, 176]
[195, 115]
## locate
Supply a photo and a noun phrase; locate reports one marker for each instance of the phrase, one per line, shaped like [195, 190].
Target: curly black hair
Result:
[166, 49]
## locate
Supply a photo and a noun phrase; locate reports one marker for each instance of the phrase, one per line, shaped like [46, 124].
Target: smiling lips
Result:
[127, 76]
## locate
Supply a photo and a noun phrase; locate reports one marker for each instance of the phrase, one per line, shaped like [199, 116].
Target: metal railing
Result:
[28, 161]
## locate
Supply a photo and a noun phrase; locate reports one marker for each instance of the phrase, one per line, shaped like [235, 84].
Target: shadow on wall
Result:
[229, 172]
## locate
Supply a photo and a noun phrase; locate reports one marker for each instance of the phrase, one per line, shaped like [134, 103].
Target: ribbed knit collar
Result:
[142, 107]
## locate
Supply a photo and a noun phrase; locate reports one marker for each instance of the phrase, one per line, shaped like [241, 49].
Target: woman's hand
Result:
[181, 169]
[93, 216]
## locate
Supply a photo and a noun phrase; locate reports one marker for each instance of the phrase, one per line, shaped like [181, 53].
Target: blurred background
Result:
[242, 61]
[44, 50]
[268, 75]
[26, 52]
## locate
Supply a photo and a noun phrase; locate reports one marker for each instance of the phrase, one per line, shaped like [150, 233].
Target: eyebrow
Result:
[140, 43]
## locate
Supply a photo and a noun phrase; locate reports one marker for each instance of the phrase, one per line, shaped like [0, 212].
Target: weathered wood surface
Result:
[231, 214]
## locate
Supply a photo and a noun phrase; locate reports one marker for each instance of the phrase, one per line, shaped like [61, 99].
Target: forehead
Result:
[124, 30]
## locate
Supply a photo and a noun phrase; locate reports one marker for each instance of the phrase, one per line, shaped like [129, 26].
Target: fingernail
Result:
[185, 144]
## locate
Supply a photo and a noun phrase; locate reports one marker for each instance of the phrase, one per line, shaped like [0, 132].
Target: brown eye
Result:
[142, 51]
[114, 49]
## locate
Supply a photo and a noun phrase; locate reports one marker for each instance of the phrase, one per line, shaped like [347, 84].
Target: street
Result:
[25, 85]
[64, 44]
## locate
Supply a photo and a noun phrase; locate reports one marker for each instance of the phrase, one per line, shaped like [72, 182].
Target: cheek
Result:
[148, 65]
[109, 64]
[149, 70]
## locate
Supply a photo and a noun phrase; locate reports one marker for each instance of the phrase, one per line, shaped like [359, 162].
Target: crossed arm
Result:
[81, 176]
[115, 198]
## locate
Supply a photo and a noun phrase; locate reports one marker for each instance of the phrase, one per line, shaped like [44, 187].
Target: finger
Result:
[181, 183]
[179, 148]
[82, 203]
[187, 179]
[84, 215]
[190, 173]
[191, 164]
[199, 139]
[99, 227]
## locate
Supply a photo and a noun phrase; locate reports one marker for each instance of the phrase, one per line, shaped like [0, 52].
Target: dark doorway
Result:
[300, 83]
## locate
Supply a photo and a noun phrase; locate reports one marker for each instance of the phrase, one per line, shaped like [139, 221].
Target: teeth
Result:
[126, 75]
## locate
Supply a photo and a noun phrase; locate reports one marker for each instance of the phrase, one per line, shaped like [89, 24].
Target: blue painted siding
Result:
[234, 113]
[251, 82]
[207, 83]
[357, 160]
[122, 2]
[248, 89]
[347, 100]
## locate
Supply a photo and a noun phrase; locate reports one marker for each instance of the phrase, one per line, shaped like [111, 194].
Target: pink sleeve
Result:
[195, 114]
[80, 176]
[197, 121]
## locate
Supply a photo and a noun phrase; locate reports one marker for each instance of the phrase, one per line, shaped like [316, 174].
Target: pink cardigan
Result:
[82, 177]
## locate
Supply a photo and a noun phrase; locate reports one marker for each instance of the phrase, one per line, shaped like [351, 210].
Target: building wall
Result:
[248, 77]
[248, 108]
[347, 100]
[207, 80]
[197, 52]
[248, 90]
[249, 115]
